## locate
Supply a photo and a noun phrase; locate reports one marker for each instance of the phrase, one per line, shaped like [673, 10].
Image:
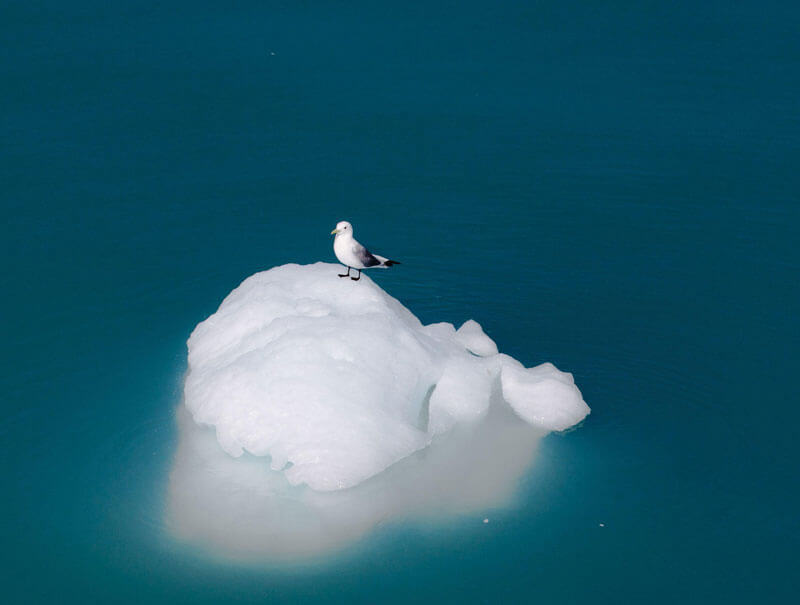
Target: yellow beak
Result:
[334, 231]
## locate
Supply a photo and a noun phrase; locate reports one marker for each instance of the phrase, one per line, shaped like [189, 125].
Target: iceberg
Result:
[334, 381]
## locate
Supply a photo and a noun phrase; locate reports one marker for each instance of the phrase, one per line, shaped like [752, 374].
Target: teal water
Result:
[612, 187]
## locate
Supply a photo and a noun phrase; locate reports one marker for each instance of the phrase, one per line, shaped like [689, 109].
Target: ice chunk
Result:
[334, 380]
[461, 394]
[472, 336]
[543, 396]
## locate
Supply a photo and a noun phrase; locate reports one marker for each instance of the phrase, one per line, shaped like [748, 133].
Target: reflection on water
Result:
[239, 508]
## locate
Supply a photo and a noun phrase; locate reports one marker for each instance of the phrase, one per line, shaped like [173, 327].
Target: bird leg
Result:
[345, 274]
[357, 278]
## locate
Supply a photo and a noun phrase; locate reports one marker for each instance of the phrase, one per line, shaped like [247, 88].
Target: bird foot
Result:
[342, 274]
[356, 278]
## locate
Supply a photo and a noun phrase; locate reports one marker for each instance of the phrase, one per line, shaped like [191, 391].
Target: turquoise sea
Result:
[609, 186]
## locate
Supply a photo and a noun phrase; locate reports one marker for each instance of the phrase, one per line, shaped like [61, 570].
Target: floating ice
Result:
[335, 381]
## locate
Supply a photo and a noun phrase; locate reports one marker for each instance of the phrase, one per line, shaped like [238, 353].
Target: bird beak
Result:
[334, 231]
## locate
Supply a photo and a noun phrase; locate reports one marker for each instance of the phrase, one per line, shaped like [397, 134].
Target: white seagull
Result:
[352, 254]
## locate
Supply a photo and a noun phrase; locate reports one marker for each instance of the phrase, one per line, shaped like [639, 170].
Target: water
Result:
[610, 187]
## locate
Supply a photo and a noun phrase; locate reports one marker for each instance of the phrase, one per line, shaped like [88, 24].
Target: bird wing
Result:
[365, 256]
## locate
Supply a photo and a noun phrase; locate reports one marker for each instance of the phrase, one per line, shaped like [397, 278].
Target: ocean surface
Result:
[610, 186]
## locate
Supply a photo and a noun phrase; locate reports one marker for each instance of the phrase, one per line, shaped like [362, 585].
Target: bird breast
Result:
[343, 248]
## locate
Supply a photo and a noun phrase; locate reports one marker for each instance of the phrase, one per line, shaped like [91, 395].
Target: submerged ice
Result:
[241, 510]
[335, 380]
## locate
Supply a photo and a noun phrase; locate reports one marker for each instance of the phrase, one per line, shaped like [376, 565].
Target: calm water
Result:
[612, 187]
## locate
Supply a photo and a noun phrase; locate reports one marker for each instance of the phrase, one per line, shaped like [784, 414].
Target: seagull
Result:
[352, 254]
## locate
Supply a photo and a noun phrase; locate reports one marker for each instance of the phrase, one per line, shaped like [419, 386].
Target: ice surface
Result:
[334, 380]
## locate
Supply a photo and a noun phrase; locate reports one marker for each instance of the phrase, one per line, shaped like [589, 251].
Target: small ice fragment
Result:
[474, 339]
[486, 520]
[543, 396]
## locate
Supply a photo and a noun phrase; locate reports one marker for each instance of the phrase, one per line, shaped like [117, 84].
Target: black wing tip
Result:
[389, 263]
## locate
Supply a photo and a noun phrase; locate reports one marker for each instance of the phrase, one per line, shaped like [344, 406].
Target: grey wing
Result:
[365, 256]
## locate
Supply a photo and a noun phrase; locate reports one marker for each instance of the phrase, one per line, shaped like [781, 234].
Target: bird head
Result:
[343, 227]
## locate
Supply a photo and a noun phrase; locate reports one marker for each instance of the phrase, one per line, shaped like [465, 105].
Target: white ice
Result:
[335, 380]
